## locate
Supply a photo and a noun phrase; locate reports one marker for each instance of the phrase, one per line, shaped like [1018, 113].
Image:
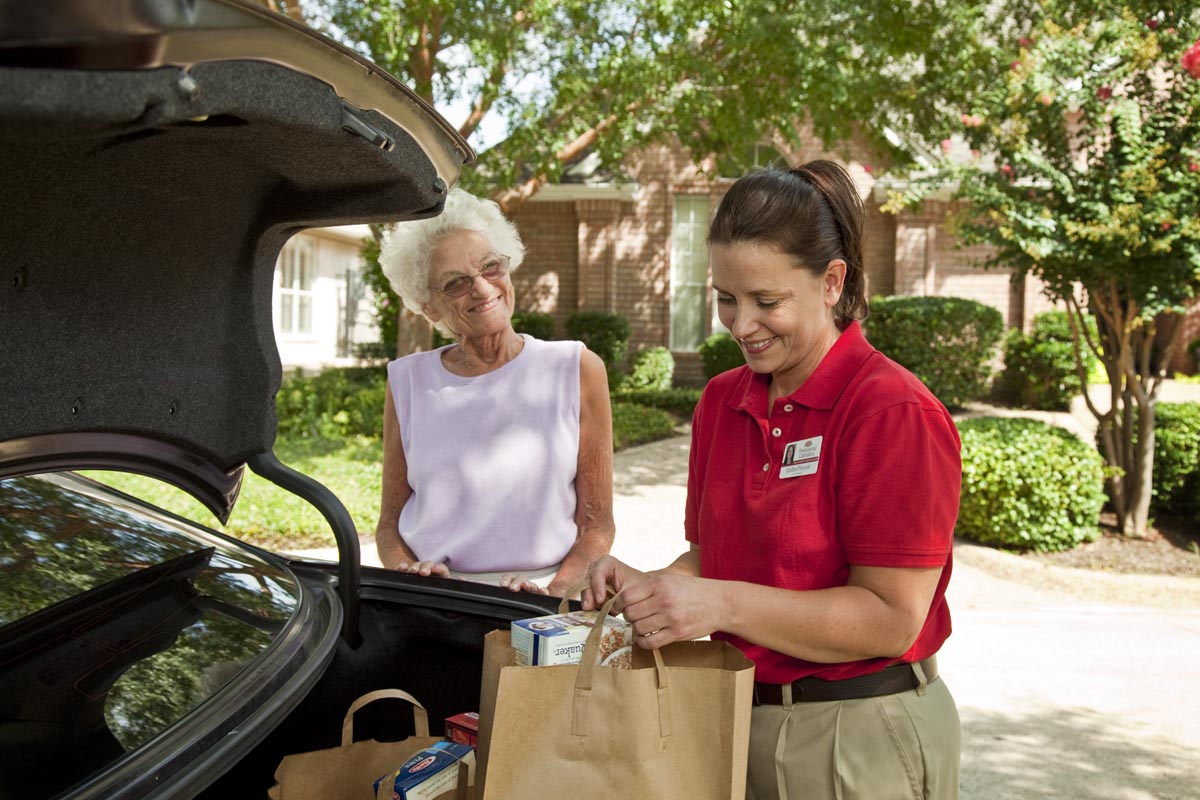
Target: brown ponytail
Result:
[812, 213]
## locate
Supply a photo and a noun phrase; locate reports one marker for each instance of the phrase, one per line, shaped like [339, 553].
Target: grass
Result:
[271, 517]
[352, 468]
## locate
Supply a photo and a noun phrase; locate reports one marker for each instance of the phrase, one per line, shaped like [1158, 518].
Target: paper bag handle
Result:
[563, 604]
[420, 716]
[587, 666]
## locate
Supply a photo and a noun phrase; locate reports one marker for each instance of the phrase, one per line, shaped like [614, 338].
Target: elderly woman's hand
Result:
[424, 568]
[518, 583]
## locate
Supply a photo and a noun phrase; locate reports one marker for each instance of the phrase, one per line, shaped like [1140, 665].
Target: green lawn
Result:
[268, 516]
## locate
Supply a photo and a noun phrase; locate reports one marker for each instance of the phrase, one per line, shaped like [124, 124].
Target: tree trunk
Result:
[1135, 361]
[414, 334]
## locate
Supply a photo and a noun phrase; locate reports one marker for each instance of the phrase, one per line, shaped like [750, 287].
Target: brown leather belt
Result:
[890, 680]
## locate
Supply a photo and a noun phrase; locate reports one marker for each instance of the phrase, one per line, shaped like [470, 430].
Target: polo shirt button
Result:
[776, 432]
[766, 466]
[788, 407]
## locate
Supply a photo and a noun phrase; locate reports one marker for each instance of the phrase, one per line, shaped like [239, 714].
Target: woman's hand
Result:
[519, 583]
[606, 574]
[424, 568]
[667, 607]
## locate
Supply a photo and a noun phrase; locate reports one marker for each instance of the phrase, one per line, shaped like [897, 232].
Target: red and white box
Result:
[463, 728]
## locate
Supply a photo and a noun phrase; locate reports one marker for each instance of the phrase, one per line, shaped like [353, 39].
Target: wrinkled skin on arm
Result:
[593, 478]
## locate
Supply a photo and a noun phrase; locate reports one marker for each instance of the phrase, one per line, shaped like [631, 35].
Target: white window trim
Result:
[297, 248]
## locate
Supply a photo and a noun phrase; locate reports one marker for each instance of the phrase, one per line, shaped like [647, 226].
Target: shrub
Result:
[947, 342]
[1039, 369]
[606, 335]
[374, 351]
[680, 402]
[537, 325]
[652, 368]
[1027, 485]
[720, 353]
[334, 404]
[1176, 484]
[635, 424]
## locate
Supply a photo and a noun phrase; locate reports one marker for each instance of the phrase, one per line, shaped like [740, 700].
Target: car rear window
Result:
[116, 619]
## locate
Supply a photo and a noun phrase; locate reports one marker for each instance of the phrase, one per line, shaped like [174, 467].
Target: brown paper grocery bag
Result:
[348, 772]
[677, 725]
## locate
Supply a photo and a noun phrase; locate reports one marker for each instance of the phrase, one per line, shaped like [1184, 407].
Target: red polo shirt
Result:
[860, 465]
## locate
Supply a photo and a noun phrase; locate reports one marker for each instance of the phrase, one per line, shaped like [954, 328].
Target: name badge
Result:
[801, 458]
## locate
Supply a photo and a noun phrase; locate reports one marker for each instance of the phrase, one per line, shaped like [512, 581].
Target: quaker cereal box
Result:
[559, 639]
[429, 772]
[463, 728]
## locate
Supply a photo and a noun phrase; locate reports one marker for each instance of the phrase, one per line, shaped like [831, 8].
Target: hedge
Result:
[1027, 485]
[947, 342]
[606, 335]
[1039, 368]
[334, 404]
[635, 424]
[652, 368]
[720, 353]
[1176, 482]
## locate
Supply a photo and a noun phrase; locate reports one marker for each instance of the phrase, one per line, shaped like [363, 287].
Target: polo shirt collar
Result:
[822, 388]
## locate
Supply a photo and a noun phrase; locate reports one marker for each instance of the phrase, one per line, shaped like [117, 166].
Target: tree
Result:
[571, 77]
[1090, 180]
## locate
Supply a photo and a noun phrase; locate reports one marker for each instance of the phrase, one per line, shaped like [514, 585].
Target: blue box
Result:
[429, 772]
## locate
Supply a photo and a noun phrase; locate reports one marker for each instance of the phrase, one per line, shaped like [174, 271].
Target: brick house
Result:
[638, 249]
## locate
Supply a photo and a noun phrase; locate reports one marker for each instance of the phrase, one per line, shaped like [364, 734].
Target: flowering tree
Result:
[1094, 128]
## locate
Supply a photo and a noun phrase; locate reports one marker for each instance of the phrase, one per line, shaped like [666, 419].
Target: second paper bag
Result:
[675, 726]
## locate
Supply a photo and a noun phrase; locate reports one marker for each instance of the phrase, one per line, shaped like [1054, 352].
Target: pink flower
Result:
[1025, 41]
[1152, 24]
[386, 303]
[1045, 98]
[1104, 92]
[1193, 167]
[947, 144]
[867, 168]
[1166, 226]
[975, 154]
[1191, 59]
[1014, 66]
[971, 120]
[1007, 170]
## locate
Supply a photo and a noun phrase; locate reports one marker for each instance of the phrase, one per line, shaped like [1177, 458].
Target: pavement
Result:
[1070, 683]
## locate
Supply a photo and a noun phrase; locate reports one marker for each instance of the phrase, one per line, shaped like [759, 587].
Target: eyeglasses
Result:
[495, 269]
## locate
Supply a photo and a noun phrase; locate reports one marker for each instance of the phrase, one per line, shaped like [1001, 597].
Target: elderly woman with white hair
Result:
[497, 449]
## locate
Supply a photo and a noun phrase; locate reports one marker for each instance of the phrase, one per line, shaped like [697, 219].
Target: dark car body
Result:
[154, 158]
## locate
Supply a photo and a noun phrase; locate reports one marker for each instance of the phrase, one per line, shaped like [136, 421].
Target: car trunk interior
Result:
[416, 637]
[146, 210]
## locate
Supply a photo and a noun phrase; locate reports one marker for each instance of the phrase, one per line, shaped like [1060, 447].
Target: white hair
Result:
[406, 253]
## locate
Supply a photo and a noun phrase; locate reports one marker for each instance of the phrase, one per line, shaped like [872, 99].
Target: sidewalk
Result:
[1069, 683]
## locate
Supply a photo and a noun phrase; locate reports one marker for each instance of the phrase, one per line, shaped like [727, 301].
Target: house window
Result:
[297, 274]
[689, 272]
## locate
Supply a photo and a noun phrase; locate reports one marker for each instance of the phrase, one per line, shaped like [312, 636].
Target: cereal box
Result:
[559, 639]
[429, 772]
[463, 728]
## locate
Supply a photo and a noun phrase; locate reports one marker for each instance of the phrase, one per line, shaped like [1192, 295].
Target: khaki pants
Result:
[900, 746]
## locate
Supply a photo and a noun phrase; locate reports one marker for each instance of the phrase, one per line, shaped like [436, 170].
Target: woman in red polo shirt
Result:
[822, 492]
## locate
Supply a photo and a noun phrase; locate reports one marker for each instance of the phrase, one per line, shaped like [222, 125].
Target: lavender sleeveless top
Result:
[491, 459]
